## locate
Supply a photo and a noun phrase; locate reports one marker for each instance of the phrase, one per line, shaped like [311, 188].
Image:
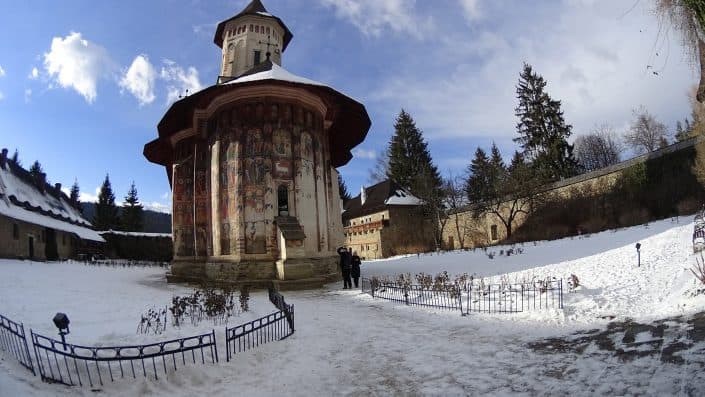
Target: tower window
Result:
[252, 28]
[256, 29]
[258, 56]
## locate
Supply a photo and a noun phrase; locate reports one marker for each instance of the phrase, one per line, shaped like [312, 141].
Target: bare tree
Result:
[687, 17]
[598, 149]
[379, 172]
[645, 132]
[456, 201]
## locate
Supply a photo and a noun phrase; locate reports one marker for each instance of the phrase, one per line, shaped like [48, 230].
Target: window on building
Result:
[15, 231]
[258, 56]
[493, 231]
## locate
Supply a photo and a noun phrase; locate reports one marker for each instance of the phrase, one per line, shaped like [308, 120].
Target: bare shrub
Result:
[698, 269]
[154, 321]
[245, 298]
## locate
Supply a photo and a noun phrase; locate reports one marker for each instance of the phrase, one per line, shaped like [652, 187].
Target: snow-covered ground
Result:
[348, 343]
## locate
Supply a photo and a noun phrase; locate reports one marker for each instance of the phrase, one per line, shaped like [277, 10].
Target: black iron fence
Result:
[270, 328]
[445, 297]
[473, 297]
[14, 342]
[73, 364]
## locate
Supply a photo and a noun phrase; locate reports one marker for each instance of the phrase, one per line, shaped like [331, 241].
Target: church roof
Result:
[254, 8]
[21, 199]
[378, 198]
[350, 121]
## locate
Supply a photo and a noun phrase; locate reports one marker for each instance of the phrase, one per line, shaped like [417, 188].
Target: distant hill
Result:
[154, 222]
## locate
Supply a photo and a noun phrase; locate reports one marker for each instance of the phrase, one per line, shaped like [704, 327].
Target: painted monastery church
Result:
[252, 164]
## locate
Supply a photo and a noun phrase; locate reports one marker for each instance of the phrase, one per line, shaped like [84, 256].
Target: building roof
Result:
[378, 198]
[21, 199]
[349, 119]
[254, 8]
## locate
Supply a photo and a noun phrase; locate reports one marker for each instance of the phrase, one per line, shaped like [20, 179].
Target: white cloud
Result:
[364, 154]
[27, 95]
[2, 72]
[34, 74]
[139, 80]
[593, 62]
[471, 9]
[166, 195]
[74, 62]
[373, 17]
[179, 80]
[158, 207]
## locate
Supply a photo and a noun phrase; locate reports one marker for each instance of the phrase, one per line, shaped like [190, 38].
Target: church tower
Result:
[250, 38]
[252, 165]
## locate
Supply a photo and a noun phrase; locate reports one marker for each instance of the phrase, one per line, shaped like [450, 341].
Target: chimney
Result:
[363, 196]
[3, 158]
[57, 187]
[42, 181]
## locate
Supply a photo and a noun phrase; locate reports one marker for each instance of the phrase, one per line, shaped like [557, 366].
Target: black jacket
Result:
[345, 259]
[355, 261]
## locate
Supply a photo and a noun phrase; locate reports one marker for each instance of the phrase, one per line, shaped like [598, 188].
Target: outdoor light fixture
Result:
[638, 254]
[61, 320]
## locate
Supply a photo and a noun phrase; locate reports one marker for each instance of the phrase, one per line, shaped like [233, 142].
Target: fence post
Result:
[406, 295]
[560, 290]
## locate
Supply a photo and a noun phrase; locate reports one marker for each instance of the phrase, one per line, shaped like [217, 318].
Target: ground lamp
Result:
[61, 320]
[638, 254]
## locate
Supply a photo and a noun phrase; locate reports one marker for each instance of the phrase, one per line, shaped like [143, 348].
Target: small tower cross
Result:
[269, 43]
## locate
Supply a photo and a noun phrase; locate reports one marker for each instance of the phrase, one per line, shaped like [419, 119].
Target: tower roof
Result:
[254, 8]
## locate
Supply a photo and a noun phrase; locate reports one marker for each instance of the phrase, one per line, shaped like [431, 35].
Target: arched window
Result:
[231, 58]
[283, 200]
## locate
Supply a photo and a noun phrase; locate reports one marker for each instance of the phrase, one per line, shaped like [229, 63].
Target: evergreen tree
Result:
[681, 134]
[36, 168]
[106, 211]
[410, 163]
[132, 211]
[542, 130]
[74, 196]
[343, 190]
[16, 158]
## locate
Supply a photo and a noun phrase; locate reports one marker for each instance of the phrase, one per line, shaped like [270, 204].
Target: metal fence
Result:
[270, 328]
[473, 297]
[14, 342]
[514, 298]
[73, 364]
[448, 297]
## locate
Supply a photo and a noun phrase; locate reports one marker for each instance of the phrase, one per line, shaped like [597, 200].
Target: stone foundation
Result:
[303, 273]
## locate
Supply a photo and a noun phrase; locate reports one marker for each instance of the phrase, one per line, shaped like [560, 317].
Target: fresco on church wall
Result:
[183, 209]
[225, 179]
[202, 200]
[257, 166]
[283, 167]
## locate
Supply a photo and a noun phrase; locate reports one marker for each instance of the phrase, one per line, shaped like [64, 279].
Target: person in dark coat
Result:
[355, 268]
[345, 266]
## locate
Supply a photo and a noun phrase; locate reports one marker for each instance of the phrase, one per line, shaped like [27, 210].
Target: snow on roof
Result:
[266, 14]
[275, 73]
[136, 234]
[10, 210]
[39, 208]
[402, 197]
[12, 185]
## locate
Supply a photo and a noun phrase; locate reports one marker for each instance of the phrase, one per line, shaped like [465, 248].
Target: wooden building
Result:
[37, 220]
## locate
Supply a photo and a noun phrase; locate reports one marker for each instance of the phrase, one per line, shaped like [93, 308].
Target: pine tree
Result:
[132, 211]
[410, 163]
[74, 196]
[542, 130]
[16, 158]
[36, 168]
[106, 211]
[343, 190]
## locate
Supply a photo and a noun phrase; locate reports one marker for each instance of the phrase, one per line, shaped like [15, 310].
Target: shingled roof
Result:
[378, 198]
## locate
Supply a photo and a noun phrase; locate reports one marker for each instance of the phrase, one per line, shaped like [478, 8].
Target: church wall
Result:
[183, 201]
[335, 209]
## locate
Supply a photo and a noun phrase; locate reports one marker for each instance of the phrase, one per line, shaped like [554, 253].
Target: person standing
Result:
[355, 268]
[345, 266]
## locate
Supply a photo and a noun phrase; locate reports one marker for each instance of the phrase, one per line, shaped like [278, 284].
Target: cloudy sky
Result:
[83, 84]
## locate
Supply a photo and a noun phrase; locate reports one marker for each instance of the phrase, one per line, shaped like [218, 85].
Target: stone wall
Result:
[18, 245]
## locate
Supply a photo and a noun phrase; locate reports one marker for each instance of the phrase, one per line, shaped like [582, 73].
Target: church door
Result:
[283, 200]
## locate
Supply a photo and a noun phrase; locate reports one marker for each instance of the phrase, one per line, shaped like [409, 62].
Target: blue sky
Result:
[83, 84]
